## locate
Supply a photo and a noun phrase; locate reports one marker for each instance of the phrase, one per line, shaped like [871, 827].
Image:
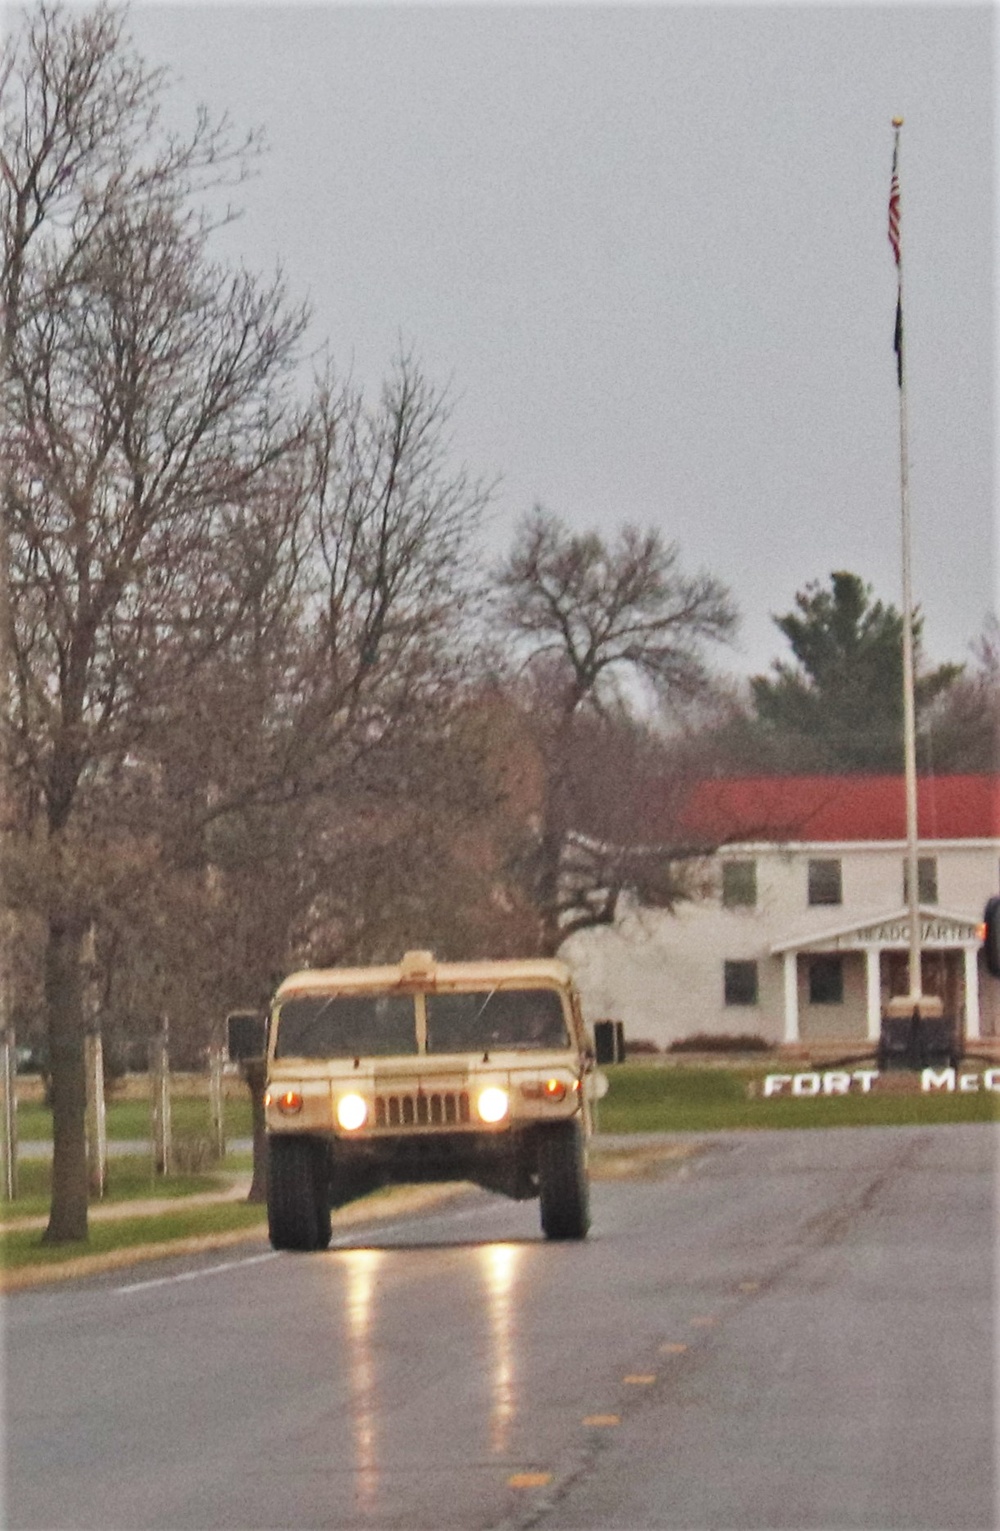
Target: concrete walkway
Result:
[41, 1148]
[148, 1206]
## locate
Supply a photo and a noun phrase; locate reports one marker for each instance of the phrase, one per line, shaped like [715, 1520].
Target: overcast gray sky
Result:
[647, 249]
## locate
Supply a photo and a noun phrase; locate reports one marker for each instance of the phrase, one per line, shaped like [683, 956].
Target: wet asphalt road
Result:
[786, 1330]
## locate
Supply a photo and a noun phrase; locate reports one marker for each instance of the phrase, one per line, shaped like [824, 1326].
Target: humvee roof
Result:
[420, 970]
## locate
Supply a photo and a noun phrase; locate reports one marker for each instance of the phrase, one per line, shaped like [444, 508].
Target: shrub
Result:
[708, 1042]
[640, 1045]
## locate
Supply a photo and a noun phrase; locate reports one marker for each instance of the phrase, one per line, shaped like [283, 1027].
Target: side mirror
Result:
[991, 936]
[246, 1035]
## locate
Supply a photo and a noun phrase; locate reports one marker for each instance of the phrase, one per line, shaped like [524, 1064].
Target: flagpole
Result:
[909, 707]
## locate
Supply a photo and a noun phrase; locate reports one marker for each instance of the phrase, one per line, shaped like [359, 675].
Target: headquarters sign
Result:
[934, 931]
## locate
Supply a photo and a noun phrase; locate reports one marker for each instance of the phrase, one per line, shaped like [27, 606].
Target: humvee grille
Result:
[436, 1109]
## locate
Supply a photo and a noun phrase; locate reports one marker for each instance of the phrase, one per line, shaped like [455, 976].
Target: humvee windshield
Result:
[459, 1023]
[346, 1026]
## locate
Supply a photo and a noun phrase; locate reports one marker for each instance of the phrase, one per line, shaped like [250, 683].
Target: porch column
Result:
[873, 988]
[971, 994]
[791, 960]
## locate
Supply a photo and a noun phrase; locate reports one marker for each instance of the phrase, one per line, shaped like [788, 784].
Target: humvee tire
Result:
[563, 1187]
[298, 1209]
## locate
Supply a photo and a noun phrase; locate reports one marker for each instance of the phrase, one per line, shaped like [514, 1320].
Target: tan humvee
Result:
[427, 1070]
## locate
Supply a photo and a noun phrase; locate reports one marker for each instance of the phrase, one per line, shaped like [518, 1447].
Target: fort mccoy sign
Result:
[808, 1086]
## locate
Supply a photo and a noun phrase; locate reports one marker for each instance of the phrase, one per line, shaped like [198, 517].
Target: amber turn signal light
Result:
[548, 1089]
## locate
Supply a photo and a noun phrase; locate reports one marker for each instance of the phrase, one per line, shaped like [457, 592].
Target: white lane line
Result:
[346, 1240]
[210, 1270]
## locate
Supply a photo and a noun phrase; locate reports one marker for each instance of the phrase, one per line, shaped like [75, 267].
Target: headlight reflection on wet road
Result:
[362, 1270]
[500, 1267]
[495, 1268]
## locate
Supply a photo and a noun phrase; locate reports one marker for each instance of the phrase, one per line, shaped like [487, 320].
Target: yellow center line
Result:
[749, 1286]
[529, 1480]
[602, 1419]
[672, 1348]
[704, 1321]
[641, 1379]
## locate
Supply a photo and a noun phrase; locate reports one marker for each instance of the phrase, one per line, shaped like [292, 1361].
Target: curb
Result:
[381, 1206]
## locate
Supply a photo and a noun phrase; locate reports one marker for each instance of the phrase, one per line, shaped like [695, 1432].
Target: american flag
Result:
[894, 207]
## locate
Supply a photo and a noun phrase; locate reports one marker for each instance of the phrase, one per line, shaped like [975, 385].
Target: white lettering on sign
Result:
[807, 1086]
[967, 1084]
[810, 1085]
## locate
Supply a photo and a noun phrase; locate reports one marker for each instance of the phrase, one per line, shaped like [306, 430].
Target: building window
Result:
[826, 980]
[740, 979]
[926, 880]
[739, 884]
[825, 883]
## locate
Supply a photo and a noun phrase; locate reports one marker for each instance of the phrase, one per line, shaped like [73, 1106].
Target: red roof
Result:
[863, 808]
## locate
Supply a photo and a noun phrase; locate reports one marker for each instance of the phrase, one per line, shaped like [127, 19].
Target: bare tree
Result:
[596, 622]
[960, 732]
[145, 415]
[335, 745]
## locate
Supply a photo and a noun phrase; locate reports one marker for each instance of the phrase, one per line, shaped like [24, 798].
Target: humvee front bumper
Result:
[360, 1107]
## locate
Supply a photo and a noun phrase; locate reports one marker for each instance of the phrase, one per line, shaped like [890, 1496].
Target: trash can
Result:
[609, 1041]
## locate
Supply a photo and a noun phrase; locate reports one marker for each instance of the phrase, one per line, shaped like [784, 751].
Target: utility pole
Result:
[8, 1117]
[97, 1130]
[160, 1079]
[216, 1097]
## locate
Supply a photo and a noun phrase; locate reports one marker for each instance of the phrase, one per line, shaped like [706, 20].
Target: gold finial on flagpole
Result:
[897, 122]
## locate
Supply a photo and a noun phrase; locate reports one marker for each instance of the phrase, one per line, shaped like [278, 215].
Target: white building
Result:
[805, 935]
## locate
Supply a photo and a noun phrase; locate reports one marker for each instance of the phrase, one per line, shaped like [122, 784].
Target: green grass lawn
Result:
[644, 1099]
[189, 1116]
[24, 1247]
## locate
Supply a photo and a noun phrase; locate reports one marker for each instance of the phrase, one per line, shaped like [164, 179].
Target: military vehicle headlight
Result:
[288, 1101]
[492, 1104]
[352, 1112]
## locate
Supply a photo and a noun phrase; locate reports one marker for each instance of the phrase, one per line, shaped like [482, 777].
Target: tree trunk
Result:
[64, 1002]
[556, 817]
[550, 868]
[255, 1074]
